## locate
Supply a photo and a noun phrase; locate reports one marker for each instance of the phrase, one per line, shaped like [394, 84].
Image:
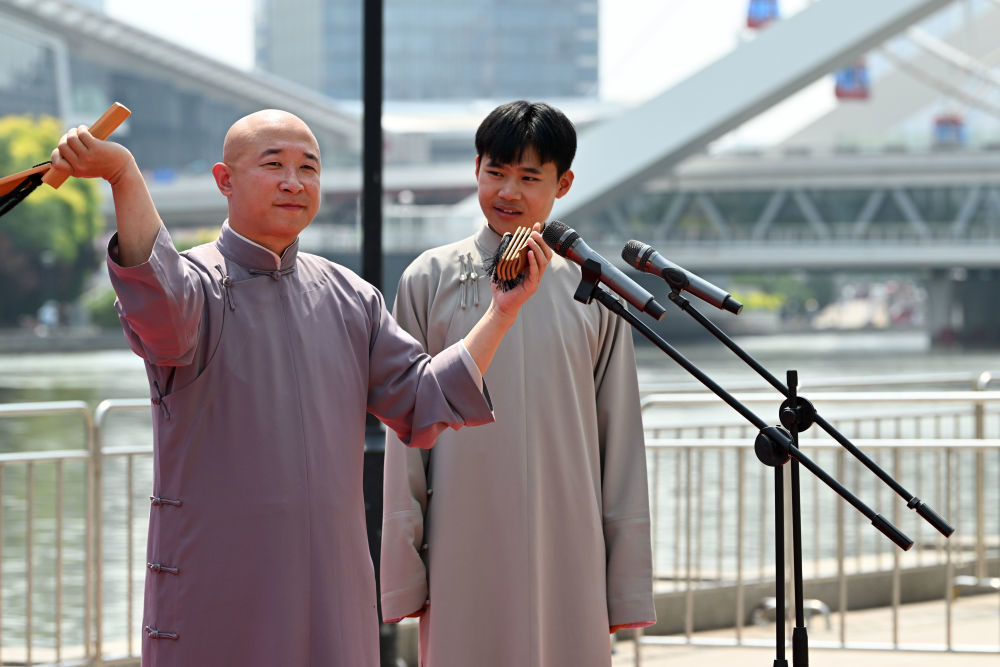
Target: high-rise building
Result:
[62, 58]
[437, 49]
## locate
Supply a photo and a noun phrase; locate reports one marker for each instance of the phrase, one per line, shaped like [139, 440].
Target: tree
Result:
[47, 242]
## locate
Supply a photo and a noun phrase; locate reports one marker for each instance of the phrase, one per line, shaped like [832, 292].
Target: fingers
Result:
[538, 259]
[536, 236]
[540, 253]
[58, 163]
[70, 151]
[80, 141]
[83, 155]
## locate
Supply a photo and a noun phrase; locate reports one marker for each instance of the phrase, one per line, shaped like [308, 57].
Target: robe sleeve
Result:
[624, 480]
[403, 576]
[160, 303]
[416, 395]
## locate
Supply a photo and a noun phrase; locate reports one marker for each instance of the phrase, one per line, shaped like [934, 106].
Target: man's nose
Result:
[291, 182]
[510, 189]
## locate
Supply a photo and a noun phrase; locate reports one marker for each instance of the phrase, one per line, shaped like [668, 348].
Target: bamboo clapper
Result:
[102, 129]
[514, 257]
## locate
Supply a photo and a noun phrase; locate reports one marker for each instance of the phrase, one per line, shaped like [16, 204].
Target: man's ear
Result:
[565, 183]
[223, 178]
[477, 166]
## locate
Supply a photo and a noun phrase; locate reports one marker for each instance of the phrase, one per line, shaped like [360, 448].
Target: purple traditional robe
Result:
[261, 370]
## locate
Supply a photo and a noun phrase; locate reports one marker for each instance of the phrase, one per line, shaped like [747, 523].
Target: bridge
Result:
[848, 192]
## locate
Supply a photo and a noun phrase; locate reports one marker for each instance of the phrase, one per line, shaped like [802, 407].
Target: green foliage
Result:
[47, 241]
[757, 300]
[195, 237]
[789, 293]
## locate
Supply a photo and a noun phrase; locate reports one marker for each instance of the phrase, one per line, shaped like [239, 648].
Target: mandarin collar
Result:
[252, 255]
[487, 241]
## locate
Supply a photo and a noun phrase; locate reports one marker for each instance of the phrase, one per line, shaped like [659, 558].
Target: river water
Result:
[818, 357]
[94, 376]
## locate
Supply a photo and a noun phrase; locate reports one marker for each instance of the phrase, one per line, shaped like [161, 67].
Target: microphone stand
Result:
[774, 446]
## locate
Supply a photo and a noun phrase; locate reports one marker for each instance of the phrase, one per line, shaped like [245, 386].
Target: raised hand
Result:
[508, 302]
[83, 155]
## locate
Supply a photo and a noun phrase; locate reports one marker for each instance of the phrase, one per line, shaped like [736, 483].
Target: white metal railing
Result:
[29, 463]
[73, 521]
[936, 381]
[941, 446]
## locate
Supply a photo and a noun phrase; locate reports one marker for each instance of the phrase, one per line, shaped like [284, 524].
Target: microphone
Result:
[568, 243]
[645, 258]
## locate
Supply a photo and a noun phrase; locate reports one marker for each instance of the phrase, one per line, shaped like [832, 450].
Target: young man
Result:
[525, 542]
[262, 362]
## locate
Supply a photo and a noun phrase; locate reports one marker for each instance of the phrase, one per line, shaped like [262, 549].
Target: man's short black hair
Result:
[511, 128]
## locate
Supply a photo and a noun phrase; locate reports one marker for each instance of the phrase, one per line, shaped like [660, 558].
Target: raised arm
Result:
[82, 155]
[484, 339]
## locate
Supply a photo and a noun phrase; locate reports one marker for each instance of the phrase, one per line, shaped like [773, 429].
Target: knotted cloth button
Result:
[160, 500]
[153, 633]
[160, 567]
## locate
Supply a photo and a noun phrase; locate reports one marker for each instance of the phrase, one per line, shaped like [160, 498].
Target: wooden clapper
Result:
[16, 187]
[514, 256]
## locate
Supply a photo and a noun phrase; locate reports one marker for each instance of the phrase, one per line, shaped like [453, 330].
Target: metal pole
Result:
[371, 167]
[371, 270]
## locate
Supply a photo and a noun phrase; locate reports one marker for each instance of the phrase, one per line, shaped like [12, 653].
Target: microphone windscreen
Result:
[631, 252]
[554, 230]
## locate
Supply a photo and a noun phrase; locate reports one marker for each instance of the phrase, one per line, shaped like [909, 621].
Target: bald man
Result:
[262, 363]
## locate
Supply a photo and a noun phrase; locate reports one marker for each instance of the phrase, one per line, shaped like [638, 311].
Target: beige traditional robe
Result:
[529, 537]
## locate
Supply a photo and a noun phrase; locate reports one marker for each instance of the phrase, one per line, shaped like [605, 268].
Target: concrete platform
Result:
[974, 623]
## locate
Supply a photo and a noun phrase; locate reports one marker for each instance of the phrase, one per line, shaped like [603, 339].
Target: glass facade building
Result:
[438, 49]
[73, 64]
[29, 81]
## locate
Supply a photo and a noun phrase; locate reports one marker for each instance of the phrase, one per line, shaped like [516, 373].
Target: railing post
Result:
[740, 518]
[60, 483]
[949, 562]
[29, 558]
[688, 557]
[2, 533]
[841, 555]
[981, 384]
[981, 571]
[896, 575]
[95, 502]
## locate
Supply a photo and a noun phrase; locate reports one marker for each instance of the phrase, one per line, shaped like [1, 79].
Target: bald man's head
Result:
[248, 133]
[270, 174]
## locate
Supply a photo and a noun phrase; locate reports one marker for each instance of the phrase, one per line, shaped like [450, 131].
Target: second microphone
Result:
[645, 258]
[565, 241]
